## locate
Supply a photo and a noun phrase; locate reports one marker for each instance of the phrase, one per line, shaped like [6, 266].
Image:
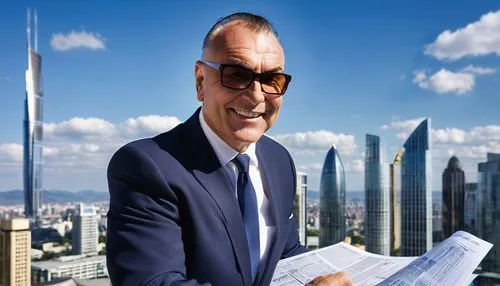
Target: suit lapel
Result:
[272, 174]
[207, 170]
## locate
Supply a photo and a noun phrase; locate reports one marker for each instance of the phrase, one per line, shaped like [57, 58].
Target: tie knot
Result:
[242, 161]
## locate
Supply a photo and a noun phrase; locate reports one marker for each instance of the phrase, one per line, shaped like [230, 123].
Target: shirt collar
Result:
[223, 151]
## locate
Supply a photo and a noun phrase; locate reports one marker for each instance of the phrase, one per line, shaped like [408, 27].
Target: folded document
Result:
[449, 263]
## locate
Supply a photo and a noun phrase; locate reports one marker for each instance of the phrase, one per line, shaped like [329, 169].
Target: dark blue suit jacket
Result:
[174, 219]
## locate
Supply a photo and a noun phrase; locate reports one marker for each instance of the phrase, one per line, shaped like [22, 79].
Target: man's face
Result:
[239, 117]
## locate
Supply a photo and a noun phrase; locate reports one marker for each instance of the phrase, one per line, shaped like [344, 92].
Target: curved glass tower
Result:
[332, 219]
[377, 198]
[416, 192]
[453, 208]
[33, 130]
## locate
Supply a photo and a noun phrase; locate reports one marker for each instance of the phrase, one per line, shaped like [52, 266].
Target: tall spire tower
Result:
[33, 126]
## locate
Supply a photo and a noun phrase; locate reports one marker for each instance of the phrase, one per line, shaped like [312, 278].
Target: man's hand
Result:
[337, 279]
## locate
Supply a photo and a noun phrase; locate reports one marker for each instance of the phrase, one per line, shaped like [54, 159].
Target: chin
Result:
[248, 136]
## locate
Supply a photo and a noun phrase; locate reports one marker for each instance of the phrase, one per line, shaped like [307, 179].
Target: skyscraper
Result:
[300, 207]
[33, 128]
[489, 201]
[416, 192]
[377, 198]
[453, 207]
[85, 232]
[471, 209]
[395, 202]
[15, 252]
[332, 219]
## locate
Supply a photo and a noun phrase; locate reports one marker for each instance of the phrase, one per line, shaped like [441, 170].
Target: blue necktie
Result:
[249, 210]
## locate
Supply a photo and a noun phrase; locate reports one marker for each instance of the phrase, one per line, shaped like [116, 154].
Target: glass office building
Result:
[377, 198]
[33, 130]
[488, 185]
[332, 218]
[416, 192]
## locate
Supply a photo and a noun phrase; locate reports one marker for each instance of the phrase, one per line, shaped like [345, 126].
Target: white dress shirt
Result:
[225, 154]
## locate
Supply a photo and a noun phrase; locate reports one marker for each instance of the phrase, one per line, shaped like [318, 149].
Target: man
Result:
[210, 202]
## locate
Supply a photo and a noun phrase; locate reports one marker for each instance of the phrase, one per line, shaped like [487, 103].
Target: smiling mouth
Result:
[247, 114]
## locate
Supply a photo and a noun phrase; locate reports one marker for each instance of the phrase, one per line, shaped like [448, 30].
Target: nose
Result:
[255, 92]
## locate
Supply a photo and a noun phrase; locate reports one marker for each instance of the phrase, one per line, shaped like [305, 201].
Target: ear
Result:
[198, 75]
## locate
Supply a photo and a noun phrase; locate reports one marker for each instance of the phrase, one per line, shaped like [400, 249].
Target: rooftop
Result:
[56, 263]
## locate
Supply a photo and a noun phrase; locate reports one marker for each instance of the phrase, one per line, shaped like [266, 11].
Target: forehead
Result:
[238, 44]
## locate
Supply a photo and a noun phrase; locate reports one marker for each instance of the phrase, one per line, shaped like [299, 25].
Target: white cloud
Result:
[85, 144]
[77, 40]
[78, 128]
[149, 125]
[445, 81]
[479, 134]
[320, 141]
[355, 166]
[473, 143]
[403, 128]
[475, 39]
[475, 135]
[478, 70]
[11, 152]
[449, 135]
[310, 168]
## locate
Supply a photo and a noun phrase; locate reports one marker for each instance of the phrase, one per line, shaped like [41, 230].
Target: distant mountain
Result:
[15, 197]
[350, 195]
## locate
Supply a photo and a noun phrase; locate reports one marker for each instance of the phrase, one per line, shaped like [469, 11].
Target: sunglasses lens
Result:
[236, 77]
[273, 83]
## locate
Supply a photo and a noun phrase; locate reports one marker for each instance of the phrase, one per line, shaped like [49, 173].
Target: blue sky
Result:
[115, 71]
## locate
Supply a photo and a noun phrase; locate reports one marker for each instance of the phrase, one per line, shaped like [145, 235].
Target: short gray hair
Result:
[251, 21]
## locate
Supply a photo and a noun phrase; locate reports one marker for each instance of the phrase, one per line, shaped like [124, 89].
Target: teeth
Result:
[247, 113]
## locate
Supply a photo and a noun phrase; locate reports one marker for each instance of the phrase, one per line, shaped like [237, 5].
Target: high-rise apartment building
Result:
[85, 234]
[377, 198]
[332, 200]
[15, 252]
[416, 192]
[395, 202]
[33, 128]
[453, 207]
[488, 185]
[300, 207]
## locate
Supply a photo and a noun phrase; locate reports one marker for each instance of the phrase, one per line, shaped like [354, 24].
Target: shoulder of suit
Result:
[149, 144]
[268, 140]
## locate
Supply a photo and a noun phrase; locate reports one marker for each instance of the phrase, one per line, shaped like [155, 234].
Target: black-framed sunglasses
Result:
[238, 78]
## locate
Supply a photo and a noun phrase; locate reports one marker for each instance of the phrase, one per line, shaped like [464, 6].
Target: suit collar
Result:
[208, 170]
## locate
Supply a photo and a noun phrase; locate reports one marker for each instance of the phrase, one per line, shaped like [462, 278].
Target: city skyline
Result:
[407, 73]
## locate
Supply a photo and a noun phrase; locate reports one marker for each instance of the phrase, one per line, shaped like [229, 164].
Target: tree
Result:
[312, 232]
[397, 252]
[357, 239]
[102, 239]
